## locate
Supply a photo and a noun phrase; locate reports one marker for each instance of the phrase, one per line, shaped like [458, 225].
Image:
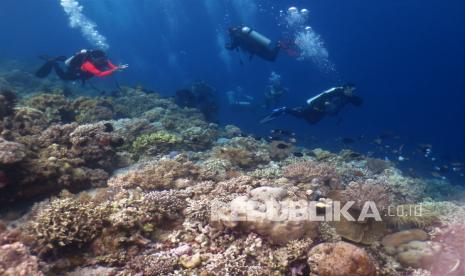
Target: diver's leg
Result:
[45, 70]
[68, 75]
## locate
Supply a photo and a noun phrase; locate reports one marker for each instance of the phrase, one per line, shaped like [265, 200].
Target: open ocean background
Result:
[406, 57]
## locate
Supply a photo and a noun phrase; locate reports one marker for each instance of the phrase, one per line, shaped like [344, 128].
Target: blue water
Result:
[406, 57]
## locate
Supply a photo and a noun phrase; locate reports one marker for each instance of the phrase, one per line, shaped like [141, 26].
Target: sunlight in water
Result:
[78, 20]
[309, 43]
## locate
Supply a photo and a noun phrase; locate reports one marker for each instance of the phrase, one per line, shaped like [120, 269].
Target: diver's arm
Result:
[89, 67]
[111, 65]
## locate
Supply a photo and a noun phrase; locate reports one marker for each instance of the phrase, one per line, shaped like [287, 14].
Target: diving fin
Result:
[53, 59]
[277, 112]
[45, 69]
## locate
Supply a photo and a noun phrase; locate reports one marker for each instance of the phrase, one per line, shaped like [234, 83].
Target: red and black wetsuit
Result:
[89, 68]
[82, 67]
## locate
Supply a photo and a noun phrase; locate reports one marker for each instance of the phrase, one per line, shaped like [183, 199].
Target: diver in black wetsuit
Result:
[201, 96]
[328, 103]
[245, 39]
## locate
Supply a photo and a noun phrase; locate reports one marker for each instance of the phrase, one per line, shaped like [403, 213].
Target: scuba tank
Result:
[257, 37]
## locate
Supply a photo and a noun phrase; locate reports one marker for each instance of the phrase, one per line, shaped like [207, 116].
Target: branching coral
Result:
[145, 211]
[244, 152]
[92, 109]
[56, 107]
[151, 264]
[156, 142]
[65, 223]
[160, 175]
[368, 191]
[312, 172]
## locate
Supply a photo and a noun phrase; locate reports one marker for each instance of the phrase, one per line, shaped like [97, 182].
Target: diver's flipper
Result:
[51, 59]
[267, 119]
[45, 69]
[278, 112]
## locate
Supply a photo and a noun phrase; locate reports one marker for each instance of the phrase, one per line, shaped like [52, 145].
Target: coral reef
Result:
[90, 110]
[149, 188]
[318, 174]
[156, 142]
[268, 211]
[244, 152]
[11, 152]
[368, 191]
[64, 223]
[164, 174]
[340, 259]
[62, 156]
[15, 260]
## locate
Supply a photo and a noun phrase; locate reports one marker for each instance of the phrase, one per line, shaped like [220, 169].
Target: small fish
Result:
[282, 146]
[108, 127]
[298, 154]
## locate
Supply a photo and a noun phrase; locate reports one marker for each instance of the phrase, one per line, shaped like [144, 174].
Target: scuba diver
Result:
[328, 103]
[82, 66]
[201, 96]
[274, 91]
[238, 100]
[250, 41]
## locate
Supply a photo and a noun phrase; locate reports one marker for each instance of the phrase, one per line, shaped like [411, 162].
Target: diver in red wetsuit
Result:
[82, 66]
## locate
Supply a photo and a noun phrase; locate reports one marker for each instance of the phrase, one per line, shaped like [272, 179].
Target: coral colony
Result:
[158, 190]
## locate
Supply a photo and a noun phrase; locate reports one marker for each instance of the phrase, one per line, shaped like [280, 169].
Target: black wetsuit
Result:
[327, 103]
[73, 71]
